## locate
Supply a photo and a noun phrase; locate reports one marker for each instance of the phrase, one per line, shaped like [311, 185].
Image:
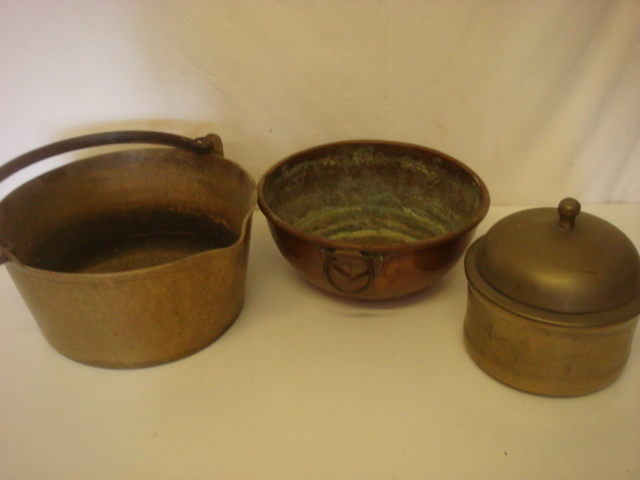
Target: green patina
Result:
[364, 195]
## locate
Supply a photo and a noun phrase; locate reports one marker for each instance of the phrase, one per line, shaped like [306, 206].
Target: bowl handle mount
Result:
[351, 271]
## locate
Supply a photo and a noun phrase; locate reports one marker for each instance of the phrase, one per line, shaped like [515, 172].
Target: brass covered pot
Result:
[553, 300]
[371, 219]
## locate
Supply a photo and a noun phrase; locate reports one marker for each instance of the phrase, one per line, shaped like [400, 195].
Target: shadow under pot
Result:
[553, 301]
[370, 219]
[132, 258]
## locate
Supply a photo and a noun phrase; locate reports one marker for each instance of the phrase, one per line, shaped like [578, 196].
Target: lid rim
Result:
[601, 318]
[560, 260]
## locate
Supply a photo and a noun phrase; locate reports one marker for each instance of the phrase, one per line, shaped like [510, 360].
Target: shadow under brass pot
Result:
[132, 258]
[372, 219]
[553, 302]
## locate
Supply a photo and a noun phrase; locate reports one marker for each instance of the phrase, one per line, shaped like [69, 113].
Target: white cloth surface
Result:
[541, 98]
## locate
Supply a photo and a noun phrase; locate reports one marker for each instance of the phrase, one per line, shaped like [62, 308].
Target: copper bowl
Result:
[372, 219]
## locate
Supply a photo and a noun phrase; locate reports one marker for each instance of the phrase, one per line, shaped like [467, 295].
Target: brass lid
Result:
[559, 261]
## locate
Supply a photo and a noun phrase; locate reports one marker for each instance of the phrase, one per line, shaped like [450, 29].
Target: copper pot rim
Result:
[124, 275]
[147, 272]
[469, 226]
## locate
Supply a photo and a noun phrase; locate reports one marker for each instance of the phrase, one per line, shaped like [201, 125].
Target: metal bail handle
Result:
[355, 270]
[208, 144]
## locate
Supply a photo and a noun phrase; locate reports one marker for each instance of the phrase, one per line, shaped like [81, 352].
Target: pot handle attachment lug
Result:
[207, 144]
[350, 271]
[7, 250]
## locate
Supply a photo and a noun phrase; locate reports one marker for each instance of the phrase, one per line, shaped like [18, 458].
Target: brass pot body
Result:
[543, 358]
[553, 301]
[133, 258]
[371, 219]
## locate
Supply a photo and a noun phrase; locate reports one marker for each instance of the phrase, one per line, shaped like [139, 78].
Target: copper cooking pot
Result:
[553, 302]
[132, 258]
[372, 219]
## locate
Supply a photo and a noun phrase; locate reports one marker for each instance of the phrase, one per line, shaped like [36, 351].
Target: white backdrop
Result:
[540, 97]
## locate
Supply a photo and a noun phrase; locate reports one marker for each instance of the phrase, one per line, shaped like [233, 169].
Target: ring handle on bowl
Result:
[208, 144]
[351, 271]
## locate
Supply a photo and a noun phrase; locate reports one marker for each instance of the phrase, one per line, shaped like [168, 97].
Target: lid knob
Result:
[568, 209]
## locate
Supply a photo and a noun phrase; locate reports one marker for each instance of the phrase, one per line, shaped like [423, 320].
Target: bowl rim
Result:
[114, 160]
[349, 245]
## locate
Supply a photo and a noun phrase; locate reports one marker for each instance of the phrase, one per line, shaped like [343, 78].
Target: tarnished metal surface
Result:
[586, 264]
[132, 258]
[546, 359]
[554, 299]
[372, 219]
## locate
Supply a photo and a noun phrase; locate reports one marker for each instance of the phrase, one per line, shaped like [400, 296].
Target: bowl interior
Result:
[374, 193]
[127, 210]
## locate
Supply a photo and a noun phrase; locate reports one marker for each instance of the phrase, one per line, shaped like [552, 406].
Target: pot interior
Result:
[129, 240]
[127, 211]
[374, 193]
